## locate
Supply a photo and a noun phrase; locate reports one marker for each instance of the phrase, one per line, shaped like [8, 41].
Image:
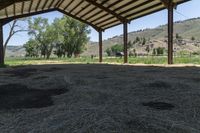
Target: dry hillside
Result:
[158, 37]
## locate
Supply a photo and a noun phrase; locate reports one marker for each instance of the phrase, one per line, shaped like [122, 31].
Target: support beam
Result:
[1, 44]
[100, 47]
[170, 31]
[103, 8]
[125, 42]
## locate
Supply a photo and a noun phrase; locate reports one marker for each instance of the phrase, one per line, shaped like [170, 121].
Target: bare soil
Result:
[99, 98]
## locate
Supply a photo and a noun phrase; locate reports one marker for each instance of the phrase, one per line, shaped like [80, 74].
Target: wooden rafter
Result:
[38, 4]
[119, 8]
[6, 12]
[165, 3]
[88, 12]
[81, 10]
[103, 25]
[30, 6]
[76, 6]
[22, 10]
[6, 3]
[120, 18]
[99, 15]
[44, 5]
[91, 10]
[61, 2]
[14, 9]
[9, 19]
[137, 6]
[68, 4]
[115, 3]
[57, 3]
[126, 11]
[110, 6]
[51, 4]
[146, 9]
[80, 19]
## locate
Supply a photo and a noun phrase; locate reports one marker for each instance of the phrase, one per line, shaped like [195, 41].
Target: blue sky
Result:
[184, 11]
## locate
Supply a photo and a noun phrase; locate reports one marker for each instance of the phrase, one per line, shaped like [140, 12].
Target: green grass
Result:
[85, 60]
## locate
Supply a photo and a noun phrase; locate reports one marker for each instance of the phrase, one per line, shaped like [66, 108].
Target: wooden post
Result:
[1, 44]
[100, 47]
[125, 42]
[170, 31]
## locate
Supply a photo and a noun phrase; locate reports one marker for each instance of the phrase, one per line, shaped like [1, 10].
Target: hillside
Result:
[15, 51]
[156, 37]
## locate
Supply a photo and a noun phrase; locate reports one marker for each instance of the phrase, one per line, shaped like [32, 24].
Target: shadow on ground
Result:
[18, 96]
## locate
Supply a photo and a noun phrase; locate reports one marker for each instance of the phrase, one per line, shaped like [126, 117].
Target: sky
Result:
[185, 11]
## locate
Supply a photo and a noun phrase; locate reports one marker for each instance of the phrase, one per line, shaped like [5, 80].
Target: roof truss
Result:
[100, 14]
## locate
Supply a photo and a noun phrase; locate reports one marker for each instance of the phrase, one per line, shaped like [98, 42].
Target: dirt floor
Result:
[99, 99]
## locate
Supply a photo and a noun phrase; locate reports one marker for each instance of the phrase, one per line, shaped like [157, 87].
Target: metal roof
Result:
[100, 14]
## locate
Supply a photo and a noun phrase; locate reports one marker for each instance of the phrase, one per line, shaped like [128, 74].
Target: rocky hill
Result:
[156, 37]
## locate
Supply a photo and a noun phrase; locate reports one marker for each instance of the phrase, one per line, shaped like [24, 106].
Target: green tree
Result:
[114, 49]
[74, 35]
[129, 45]
[109, 51]
[31, 48]
[59, 50]
[44, 34]
[147, 49]
[117, 48]
[178, 36]
[193, 38]
[154, 51]
[49, 40]
[137, 39]
[143, 41]
[160, 51]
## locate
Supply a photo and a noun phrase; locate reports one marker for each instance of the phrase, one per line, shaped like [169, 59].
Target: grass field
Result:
[88, 60]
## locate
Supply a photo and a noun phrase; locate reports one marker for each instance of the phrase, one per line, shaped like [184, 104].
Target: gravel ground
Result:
[99, 99]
